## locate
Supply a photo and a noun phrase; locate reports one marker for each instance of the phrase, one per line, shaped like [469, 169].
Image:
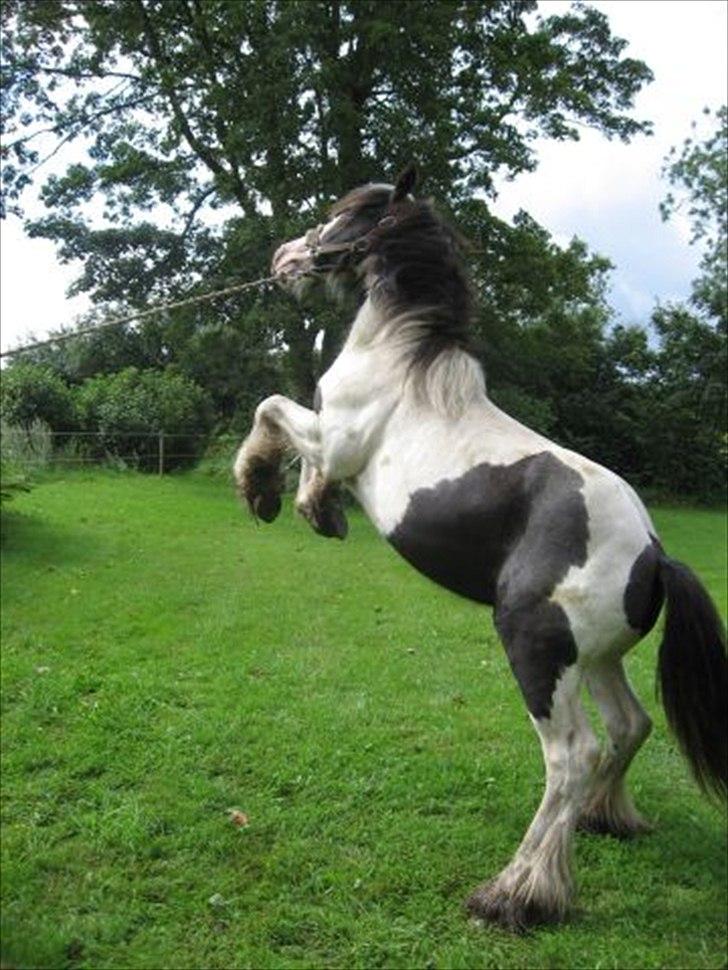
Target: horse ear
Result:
[405, 184]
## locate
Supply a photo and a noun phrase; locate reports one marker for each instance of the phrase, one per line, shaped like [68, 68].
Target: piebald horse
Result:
[560, 547]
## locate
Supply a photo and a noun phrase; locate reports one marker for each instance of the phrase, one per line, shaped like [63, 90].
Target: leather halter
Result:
[313, 243]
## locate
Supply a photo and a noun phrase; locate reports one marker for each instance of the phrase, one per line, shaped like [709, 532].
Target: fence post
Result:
[161, 452]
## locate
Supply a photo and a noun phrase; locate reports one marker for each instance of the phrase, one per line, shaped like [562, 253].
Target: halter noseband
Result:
[313, 243]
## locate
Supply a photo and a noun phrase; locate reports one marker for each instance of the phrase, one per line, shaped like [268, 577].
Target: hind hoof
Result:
[492, 903]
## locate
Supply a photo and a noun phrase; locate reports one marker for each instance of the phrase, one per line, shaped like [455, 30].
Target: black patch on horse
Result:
[506, 535]
[644, 594]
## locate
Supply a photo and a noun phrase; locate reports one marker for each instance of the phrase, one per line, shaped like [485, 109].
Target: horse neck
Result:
[370, 327]
[449, 384]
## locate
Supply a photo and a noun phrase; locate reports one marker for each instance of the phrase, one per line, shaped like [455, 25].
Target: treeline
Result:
[235, 124]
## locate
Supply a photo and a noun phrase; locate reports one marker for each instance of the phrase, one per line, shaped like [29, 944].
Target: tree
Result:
[259, 113]
[690, 395]
[687, 410]
[541, 322]
[699, 177]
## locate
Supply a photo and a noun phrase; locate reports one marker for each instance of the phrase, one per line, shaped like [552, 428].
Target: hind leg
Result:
[609, 808]
[536, 886]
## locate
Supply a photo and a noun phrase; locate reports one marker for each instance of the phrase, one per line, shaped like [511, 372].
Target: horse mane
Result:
[421, 287]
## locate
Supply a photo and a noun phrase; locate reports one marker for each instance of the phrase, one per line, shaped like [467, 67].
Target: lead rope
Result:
[315, 247]
[160, 308]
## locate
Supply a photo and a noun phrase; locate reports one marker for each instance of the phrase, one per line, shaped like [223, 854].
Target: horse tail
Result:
[692, 675]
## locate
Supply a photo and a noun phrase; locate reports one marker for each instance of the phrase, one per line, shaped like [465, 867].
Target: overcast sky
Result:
[605, 192]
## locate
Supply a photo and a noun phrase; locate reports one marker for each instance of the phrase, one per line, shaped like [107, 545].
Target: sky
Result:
[605, 192]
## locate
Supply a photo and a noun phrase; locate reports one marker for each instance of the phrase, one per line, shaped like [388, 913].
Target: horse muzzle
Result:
[291, 259]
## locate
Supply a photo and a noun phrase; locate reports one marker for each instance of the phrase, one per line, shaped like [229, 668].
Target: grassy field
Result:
[165, 661]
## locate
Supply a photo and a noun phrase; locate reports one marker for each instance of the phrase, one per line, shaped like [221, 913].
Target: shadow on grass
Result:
[34, 540]
[697, 848]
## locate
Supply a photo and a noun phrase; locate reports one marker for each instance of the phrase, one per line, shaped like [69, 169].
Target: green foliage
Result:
[259, 113]
[165, 660]
[28, 445]
[698, 175]
[690, 403]
[129, 408]
[687, 406]
[241, 121]
[30, 393]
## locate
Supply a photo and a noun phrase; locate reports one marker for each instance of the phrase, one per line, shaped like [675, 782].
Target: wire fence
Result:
[161, 451]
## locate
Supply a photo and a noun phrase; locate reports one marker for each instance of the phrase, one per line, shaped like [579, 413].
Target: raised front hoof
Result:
[261, 485]
[596, 823]
[266, 506]
[491, 903]
[327, 520]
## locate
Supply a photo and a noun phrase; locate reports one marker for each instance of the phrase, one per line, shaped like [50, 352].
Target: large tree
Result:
[690, 398]
[698, 176]
[210, 128]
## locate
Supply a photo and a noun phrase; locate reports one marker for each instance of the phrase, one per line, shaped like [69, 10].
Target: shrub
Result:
[30, 392]
[23, 452]
[218, 459]
[128, 410]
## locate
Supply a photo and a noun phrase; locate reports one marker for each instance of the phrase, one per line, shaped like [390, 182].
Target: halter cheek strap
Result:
[312, 239]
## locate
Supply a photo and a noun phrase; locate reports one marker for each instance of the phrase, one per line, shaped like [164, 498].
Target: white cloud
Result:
[33, 286]
[608, 193]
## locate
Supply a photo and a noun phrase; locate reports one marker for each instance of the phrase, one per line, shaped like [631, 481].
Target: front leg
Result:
[319, 502]
[280, 425]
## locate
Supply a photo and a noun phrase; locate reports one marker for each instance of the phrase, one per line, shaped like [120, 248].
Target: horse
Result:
[561, 548]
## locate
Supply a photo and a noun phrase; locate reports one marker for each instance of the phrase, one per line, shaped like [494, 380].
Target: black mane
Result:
[416, 260]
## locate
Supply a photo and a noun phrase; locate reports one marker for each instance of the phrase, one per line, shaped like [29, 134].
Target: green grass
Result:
[166, 660]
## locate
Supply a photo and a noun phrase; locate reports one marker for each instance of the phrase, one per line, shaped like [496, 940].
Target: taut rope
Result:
[160, 308]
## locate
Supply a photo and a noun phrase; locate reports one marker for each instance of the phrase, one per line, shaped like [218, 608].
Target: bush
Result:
[129, 409]
[218, 459]
[30, 392]
[23, 452]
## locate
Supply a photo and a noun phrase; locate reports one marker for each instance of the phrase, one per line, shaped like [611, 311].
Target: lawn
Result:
[165, 661]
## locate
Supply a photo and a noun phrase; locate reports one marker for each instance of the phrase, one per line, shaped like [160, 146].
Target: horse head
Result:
[355, 224]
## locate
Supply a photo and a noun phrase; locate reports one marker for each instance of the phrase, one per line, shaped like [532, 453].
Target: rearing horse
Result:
[560, 547]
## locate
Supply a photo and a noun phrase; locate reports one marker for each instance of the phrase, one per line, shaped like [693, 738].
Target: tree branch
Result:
[73, 134]
[98, 76]
[204, 153]
[79, 119]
